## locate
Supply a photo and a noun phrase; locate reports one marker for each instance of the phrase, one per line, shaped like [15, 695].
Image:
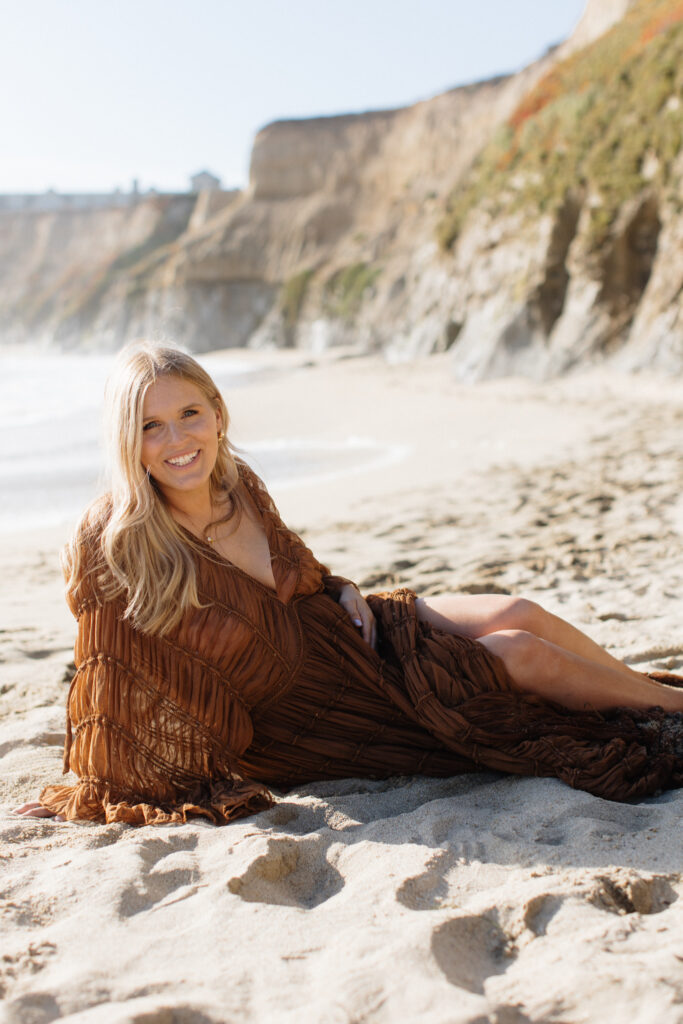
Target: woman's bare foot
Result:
[34, 809]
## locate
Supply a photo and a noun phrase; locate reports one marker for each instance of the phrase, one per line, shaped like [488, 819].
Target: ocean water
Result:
[50, 421]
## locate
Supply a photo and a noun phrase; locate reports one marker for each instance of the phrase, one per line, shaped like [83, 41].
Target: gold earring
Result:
[221, 435]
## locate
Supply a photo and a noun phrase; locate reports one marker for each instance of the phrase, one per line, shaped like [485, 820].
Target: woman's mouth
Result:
[183, 460]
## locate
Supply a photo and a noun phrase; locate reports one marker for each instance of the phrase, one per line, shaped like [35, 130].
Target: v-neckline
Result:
[266, 524]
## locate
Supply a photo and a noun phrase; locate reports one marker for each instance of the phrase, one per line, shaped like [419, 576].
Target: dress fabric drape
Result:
[263, 688]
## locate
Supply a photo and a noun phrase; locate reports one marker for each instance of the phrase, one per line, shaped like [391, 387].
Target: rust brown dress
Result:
[272, 688]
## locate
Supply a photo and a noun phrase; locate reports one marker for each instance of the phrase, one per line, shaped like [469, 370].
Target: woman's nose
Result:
[175, 431]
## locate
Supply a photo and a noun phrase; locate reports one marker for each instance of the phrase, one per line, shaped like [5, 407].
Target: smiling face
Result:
[179, 437]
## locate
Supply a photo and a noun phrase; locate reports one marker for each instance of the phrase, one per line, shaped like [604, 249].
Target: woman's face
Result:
[180, 429]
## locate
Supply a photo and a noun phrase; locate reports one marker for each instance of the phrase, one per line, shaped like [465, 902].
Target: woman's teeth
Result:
[183, 460]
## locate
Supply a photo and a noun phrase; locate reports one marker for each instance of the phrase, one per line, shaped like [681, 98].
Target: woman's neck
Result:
[197, 509]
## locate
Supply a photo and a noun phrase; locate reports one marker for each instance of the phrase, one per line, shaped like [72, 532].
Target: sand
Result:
[472, 899]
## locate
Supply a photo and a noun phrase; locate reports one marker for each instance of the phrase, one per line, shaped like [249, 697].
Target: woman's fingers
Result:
[369, 630]
[366, 621]
[359, 610]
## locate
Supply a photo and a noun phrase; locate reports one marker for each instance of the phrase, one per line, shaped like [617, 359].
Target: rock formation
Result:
[528, 224]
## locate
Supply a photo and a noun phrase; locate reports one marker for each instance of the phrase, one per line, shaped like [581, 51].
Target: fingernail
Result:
[358, 622]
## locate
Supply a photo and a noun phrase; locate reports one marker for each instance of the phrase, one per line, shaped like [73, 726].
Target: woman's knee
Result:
[480, 614]
[524, 615]
[511, 613]
[522, 652]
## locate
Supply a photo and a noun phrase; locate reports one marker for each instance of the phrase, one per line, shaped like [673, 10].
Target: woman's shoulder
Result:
[82, 557]
[246, 474]
[255, 486]
[88, 532]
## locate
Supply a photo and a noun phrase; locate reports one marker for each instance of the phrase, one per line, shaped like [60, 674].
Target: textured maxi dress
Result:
[259, 688]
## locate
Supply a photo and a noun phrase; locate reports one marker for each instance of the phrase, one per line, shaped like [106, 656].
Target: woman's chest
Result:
[246, 546]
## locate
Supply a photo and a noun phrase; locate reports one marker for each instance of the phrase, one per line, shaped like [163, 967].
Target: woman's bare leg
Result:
[546, 655]
[478, 615]
[546, 670]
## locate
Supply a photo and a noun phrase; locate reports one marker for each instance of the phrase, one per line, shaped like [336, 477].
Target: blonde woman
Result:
[216, 656]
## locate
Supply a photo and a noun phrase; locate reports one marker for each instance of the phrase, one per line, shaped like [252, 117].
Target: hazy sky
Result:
[95, 93]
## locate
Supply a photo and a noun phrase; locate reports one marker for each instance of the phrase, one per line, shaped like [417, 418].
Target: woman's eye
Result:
[150, 425]
[190, 412]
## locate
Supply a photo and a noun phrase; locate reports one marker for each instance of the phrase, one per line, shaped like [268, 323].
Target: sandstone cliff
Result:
[529, 224]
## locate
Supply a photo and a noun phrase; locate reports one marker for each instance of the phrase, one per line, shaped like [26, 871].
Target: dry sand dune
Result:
[480, 898]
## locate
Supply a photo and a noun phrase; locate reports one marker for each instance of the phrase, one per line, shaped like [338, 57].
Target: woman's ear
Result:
[219, 422]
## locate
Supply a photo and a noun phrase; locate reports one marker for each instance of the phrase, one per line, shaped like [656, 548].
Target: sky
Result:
[94, 94]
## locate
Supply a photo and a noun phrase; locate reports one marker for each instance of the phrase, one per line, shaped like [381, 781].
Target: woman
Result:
[216, 655]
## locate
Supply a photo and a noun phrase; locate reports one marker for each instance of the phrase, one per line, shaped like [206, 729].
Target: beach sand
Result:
[480, 898]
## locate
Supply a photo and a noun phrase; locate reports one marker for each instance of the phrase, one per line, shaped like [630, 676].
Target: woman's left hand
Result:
[353, 602]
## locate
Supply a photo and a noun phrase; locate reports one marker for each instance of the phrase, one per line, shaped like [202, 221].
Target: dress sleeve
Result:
[150, 731]
[290, 545]
[151, 740]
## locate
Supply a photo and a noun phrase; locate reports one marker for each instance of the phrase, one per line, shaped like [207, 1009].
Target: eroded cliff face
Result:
[65, 273]
[583, 189]
[598, 17]
[482, 221]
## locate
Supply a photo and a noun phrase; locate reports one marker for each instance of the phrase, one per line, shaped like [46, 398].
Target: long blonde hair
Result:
[145, 558]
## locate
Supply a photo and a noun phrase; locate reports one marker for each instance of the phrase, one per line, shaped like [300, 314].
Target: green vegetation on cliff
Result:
[607, 122]
[343, 292]
[292, 295]
[346, 289]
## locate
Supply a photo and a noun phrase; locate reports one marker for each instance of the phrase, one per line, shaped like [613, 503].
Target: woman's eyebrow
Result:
[156, 416]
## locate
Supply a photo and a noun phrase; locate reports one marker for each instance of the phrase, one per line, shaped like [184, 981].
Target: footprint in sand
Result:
[435, 886]
[157, 880]
[40, 1008]
[296, 819]
[623, 891]
[627, 892]
[427, 890]
[42, 652]
[471, 949]
[280, 815]
[507, 1014]
[539, 912]
[291, 873]
[159, 1015]
[30, 960]
[33, 1008]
